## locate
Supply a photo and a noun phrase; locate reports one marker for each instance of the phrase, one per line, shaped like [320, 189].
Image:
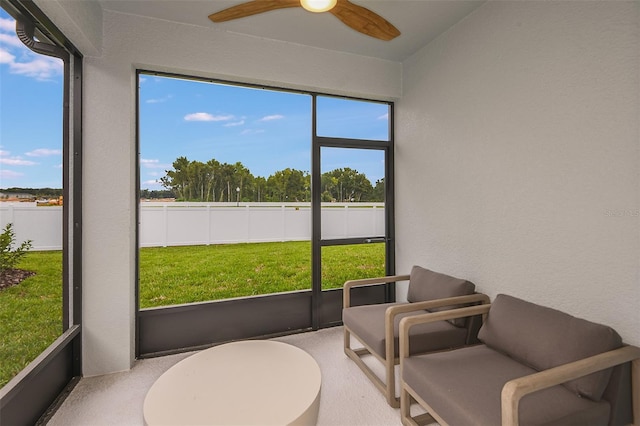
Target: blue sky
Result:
[265, 130]
[30, 90]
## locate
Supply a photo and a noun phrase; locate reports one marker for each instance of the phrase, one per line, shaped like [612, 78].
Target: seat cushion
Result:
[464, 387]
[367, 323]
[543, 338]
[429, 285]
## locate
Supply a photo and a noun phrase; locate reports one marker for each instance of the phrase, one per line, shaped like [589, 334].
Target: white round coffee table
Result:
[255, 382]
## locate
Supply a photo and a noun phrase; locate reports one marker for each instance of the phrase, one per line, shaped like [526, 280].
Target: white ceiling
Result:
[419, 21]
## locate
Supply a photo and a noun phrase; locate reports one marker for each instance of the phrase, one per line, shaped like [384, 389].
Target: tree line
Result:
[35, 192]
[215, 181]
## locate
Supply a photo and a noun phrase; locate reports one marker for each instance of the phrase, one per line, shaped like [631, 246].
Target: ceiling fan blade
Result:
[251, 8]
[365, 21]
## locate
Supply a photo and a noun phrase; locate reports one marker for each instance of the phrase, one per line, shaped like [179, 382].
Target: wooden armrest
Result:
[516, 389]
[346, 295]
[393, 311]
[408, 322]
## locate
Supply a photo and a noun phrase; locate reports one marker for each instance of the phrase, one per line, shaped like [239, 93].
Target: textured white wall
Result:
[127, 43]
[518, 156]
[80, 21]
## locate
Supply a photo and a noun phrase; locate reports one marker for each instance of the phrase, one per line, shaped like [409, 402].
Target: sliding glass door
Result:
[353, 233]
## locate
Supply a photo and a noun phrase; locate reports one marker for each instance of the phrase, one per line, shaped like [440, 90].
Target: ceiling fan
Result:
[357, 17]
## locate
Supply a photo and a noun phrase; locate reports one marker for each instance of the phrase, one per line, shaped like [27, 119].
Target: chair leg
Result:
[386, 387]
[635, 390]
[405, 408]
[391, 383]
[347, 340]
[406, 401]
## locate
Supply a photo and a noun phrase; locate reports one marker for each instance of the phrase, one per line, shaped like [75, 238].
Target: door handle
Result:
[375, 240]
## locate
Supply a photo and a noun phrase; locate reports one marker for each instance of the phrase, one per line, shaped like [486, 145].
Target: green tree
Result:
[215, 181]
[244, 180]
[177, 179]
[346, 185]
[378, 191]
[259, 189]
[329, 188]
[155, 194]
[210, 181]
[211, 170]
[288, 185]
[196, 177]
[226, 182]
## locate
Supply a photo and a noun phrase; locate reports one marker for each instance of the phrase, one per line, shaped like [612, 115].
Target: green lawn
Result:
[176, 275]
[31, 313]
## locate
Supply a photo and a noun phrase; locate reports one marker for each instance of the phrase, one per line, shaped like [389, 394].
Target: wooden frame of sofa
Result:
[390, 360]
[514, 390]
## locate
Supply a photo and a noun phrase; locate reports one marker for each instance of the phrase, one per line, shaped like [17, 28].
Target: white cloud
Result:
[152, 182]
[153, 164]
[44, 152]
[159, 100]
[10, 40]
[16, 161]
[4, 153]
[6, 57]
[23, 61]
[41, 68]
[10, 174]
[272, 117]
[234, 123]
[205, 116]
[384, 117]
[7, 24]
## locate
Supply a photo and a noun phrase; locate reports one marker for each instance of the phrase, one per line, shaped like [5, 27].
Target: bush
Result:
[9, 256]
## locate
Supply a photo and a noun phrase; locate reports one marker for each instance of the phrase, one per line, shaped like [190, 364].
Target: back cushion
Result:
[543, 338]
[428, 285]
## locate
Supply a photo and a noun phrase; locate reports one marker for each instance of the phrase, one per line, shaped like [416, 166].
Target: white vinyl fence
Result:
[41, 225]
[175, 224]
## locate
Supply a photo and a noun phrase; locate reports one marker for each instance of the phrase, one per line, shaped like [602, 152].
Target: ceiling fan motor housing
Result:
[318, 5]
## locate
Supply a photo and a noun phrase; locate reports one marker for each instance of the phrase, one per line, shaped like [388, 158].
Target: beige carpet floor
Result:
[347, 397]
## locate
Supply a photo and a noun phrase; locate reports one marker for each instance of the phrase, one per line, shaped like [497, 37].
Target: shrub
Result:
[9, 256]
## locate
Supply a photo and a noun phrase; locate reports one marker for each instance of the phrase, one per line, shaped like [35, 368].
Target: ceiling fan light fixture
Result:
[356, 17]
[318, 5]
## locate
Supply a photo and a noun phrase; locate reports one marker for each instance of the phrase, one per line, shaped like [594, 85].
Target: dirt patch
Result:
[11, 277]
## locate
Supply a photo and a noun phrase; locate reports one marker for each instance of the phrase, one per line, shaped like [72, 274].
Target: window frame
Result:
[174, 329]
[32, 394]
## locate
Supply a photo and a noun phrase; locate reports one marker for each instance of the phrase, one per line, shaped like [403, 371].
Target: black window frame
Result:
[174, 329]
[32, 395]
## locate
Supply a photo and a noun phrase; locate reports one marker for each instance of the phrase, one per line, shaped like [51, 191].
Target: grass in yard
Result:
[30, 313]
[342, 263]
[177, 275]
